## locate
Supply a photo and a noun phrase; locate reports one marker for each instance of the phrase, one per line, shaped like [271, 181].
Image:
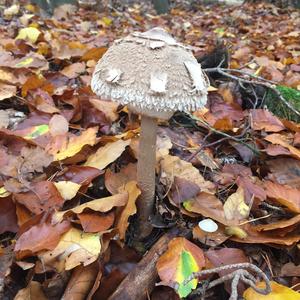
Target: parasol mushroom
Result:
[154, 76]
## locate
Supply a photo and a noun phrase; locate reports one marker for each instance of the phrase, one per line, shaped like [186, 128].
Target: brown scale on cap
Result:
[155, 76]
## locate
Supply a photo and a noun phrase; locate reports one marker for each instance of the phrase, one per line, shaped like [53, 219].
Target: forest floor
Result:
[68, 159]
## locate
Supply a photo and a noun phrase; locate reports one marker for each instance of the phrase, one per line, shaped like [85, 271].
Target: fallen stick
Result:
[139, 283]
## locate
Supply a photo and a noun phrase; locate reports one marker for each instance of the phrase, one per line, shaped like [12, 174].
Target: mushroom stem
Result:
[146, 173]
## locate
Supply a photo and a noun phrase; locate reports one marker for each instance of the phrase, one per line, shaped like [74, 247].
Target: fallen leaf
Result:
[7, 91]
[95, 222]
[107, 154]
[235, 207]
[279, 292]
[278, 139]
[211, 239]
[253, 236]
[33, 290]
[109, 108]
[8, 218]
[74, 70]
[113, 181]
[284, 195]
[43, 197]
[180, 260]
[279, 224]
[44, 236]
[285, 171]
[172, 166]
[290, 270]
[183, 190]
[227, 256]
[81, 282]
[262, 119]
[30, 34]
[67, 189]
[58, 125]
[74, 144]
[100, 205]
[208, 206]
[130, 208]
[74, 248]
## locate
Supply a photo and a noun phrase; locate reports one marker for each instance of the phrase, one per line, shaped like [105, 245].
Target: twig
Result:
[228, 136]
[218, 141]
[238, 275]
[258, 80]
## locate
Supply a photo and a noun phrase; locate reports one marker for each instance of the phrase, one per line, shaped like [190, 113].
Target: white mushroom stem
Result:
[146, 173]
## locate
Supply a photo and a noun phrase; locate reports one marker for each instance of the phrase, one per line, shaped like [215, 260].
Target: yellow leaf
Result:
[24, 63]
[107, 154]
[235, 208]
[236, 231]
[67, 189]
[106, 21]
[3, 192]
[75, 144]
[75, 247]
[29, 33]
[279, 292]
[101, 205]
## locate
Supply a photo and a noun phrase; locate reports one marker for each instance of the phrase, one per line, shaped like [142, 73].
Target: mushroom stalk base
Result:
[146, 173]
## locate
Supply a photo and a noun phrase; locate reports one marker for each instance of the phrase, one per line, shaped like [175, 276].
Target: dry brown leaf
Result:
[284, 195]
[81, 282]
[172, 166]
[100, 205]
[40, 237]
[281, 140]
[74, 70]
[113, 181]
[109, 108]
[95, 222]
[33, 290]
[7, 91]
[285, 171]
[208, 206]
[262, 119]
[58, 125]
[279, 224]
[211, 239]
[130, 208]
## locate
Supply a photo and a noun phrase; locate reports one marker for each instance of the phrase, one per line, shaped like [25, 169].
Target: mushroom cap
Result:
[151, 73]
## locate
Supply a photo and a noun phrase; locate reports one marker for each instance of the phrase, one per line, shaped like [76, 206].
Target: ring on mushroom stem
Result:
[155, 76]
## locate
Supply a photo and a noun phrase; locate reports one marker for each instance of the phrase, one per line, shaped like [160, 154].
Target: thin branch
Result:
[228, 136]
[241, 274]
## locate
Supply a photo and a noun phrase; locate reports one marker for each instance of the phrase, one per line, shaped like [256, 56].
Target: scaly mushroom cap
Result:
[151, 73]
